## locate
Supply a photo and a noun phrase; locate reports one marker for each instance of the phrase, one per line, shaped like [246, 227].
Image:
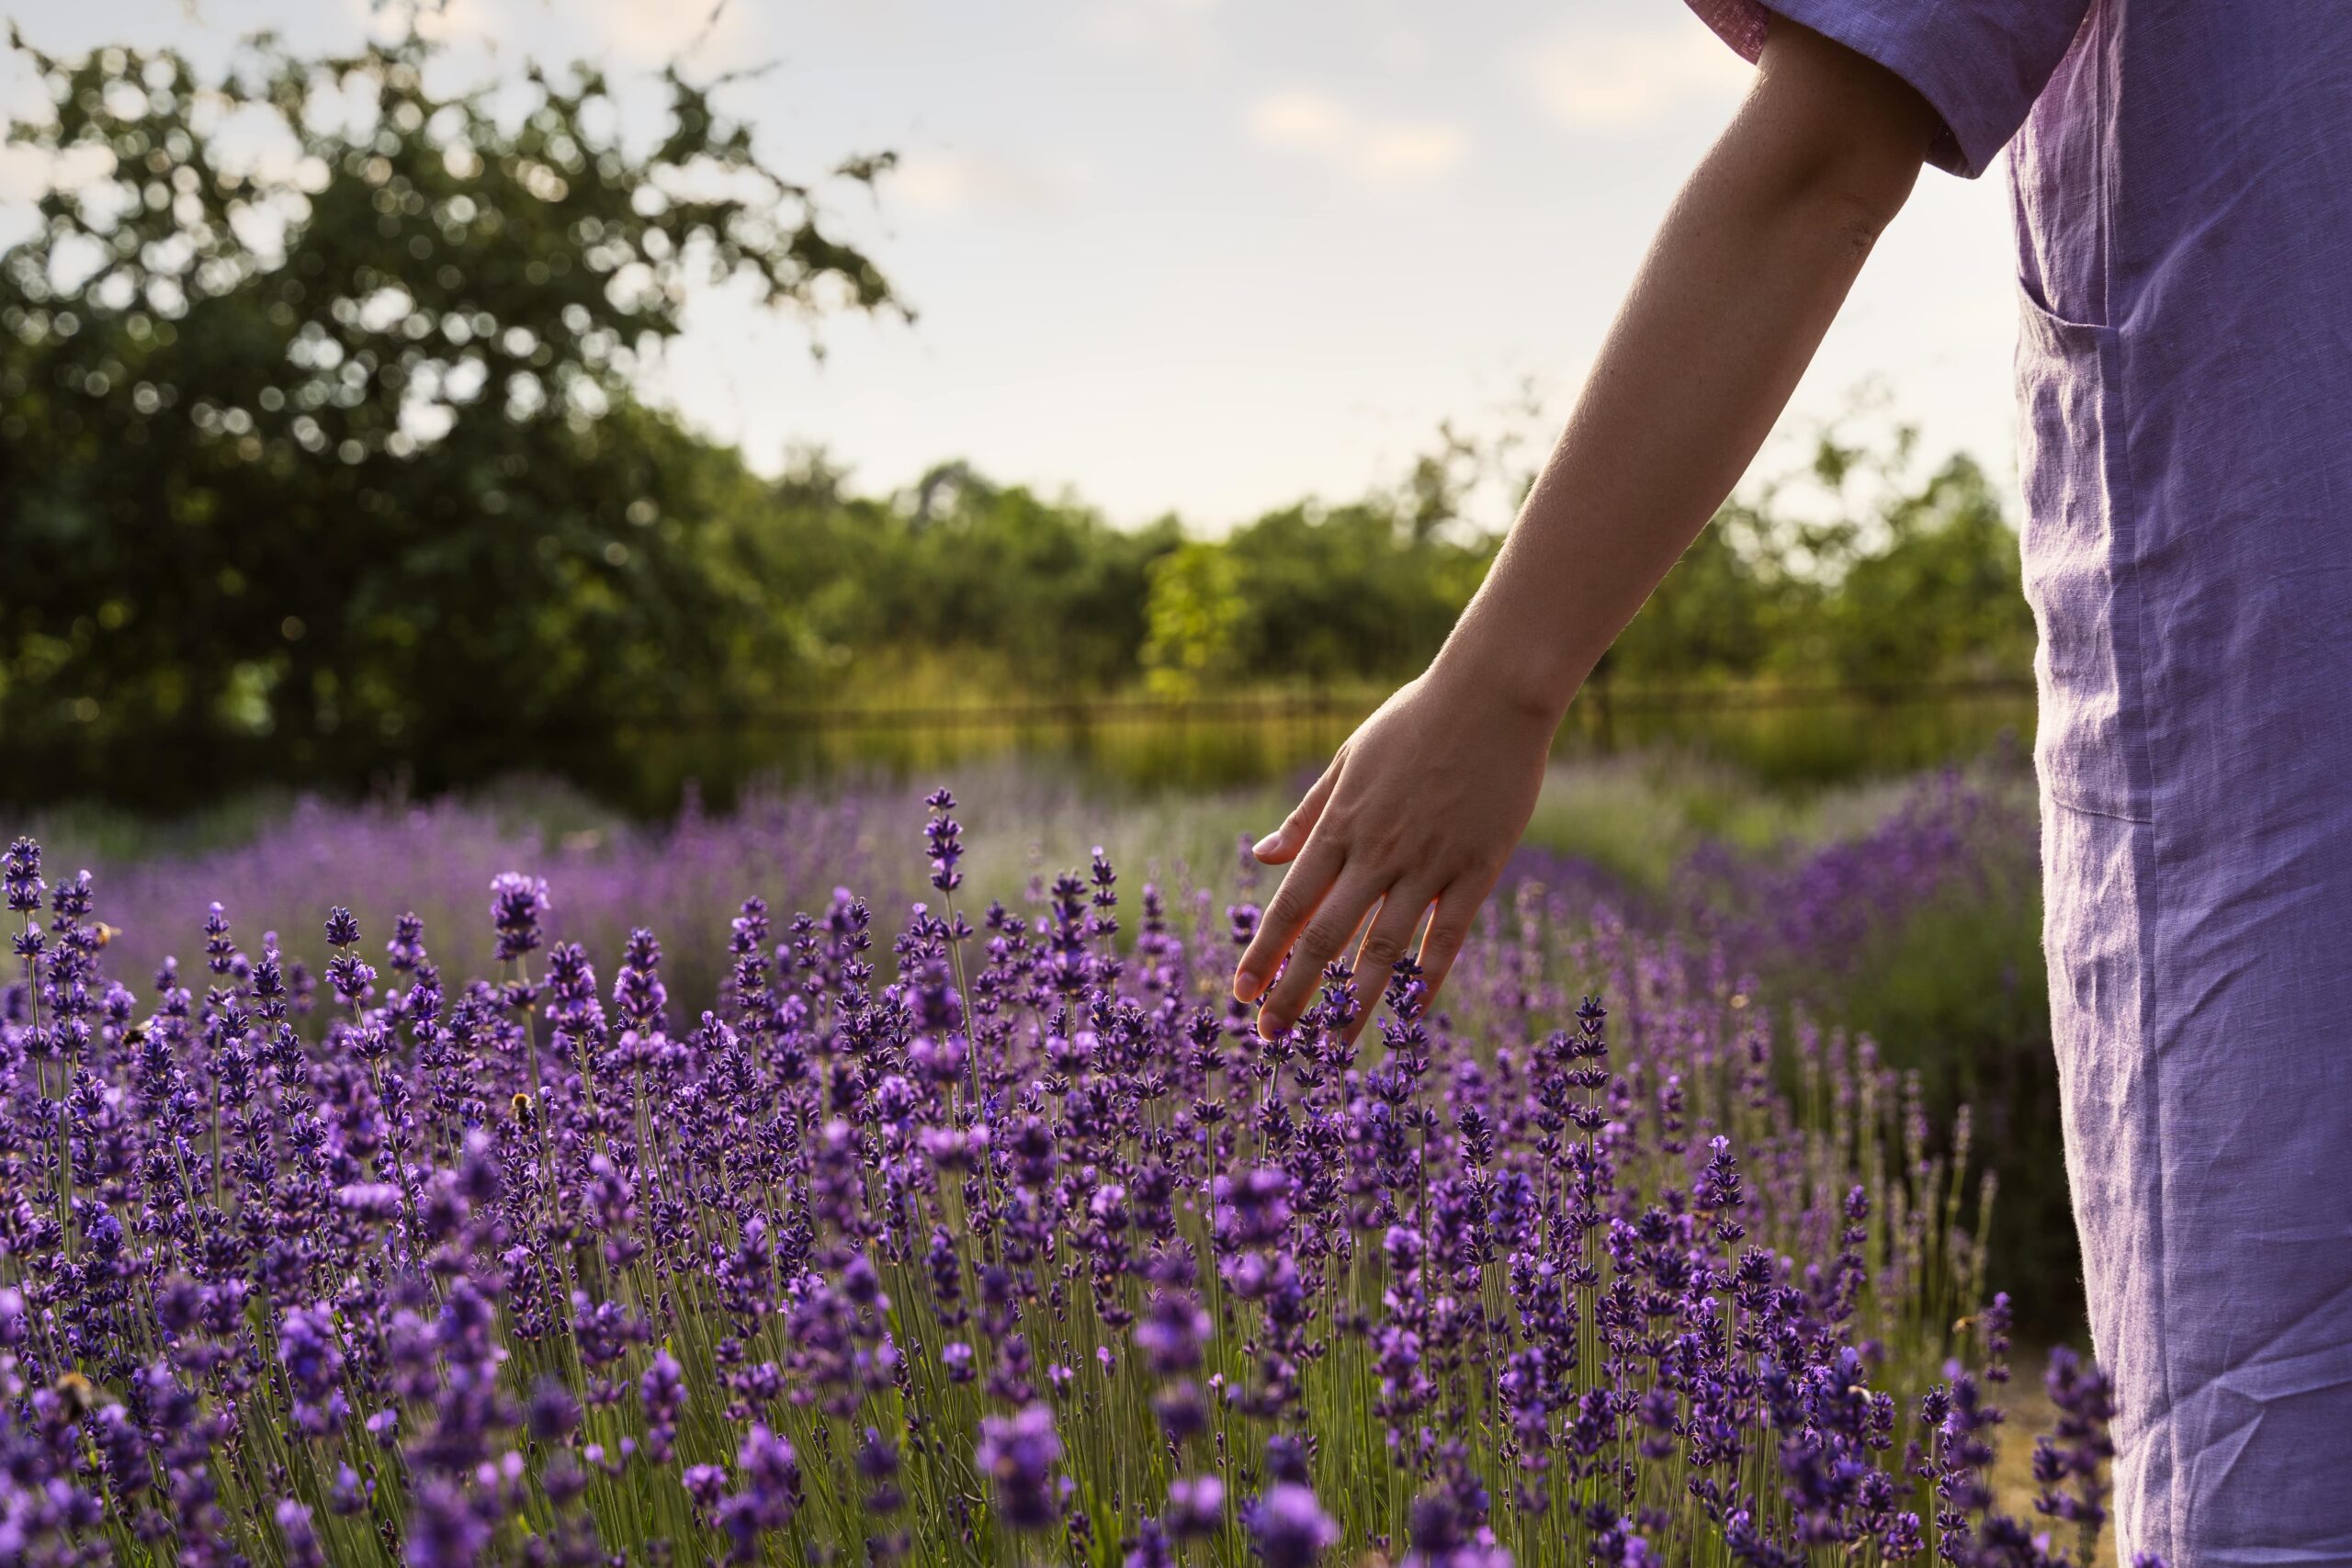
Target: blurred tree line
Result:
[320, 458]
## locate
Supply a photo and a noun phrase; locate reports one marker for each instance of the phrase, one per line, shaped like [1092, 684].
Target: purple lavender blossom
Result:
[21, 875]
[799, 1224]
[1171, 1333]
[2069, 1464]
[1196, 1508]
[769, 1471]
[517, 905]
[552, 1413]
[298, 1535]
[1018, 1454]
[944, 837]
[1288, 1529]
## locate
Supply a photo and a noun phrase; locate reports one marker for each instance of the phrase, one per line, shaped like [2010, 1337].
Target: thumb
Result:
[1284, 843]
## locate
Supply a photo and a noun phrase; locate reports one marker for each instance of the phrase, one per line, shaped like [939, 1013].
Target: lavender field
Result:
[860, 1176]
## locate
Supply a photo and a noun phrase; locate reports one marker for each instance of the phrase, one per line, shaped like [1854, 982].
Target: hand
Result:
[1422, 806]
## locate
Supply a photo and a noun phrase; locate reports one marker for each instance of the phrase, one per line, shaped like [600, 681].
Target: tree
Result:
[1944, 598]
[1195, 613]
[326, 457]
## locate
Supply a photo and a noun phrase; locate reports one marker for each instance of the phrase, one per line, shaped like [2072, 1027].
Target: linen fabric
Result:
[2181, 180]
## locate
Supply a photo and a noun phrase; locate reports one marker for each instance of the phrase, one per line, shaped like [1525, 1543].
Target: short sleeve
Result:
[1979, 63]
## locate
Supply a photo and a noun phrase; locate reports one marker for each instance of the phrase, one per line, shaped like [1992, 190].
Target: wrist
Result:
[1528, 682]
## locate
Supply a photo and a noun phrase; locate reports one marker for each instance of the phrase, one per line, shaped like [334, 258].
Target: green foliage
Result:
[1902, 583]
[1712, 616]
[1944, 597]
[1195, 613]
[1335, 594]
[958, 571]
[326, 464]
[1958, 993]
[316, 402]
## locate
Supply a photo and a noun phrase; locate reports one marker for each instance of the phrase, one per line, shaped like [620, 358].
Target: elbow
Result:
[1853, 210]
[1845, 137]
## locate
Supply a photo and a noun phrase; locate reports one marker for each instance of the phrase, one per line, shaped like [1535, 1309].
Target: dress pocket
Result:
[2078, 543]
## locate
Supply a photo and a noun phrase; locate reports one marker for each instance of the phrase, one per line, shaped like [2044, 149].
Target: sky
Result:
[1207, 257]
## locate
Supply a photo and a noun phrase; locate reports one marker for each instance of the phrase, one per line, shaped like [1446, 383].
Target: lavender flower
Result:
[1171, 1332]
[21, 875]
[1196, 1508]
[2069, 1464]
[770, 1494]
[776, 1269]
[299, 1536]
[552, 1413]
[944, 837]
[517, 905]
[1018, 1455]
[1288, 1529]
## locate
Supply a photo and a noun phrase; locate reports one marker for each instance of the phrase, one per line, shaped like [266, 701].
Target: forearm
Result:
[1741, 282]
[1738, 287]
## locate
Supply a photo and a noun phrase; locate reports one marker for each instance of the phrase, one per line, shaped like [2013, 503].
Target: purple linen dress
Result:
[2181, 177]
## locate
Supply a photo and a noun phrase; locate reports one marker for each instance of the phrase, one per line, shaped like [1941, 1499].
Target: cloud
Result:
[474, 22]
[657, 30]
[1300, 120]
[456, 21]
[1182, 28]
[1402, 49]
[1626, 80]
[721, 33]
[1377, 151]
[957, 181]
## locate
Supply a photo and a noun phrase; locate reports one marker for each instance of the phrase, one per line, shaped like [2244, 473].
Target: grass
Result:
[1638, 816]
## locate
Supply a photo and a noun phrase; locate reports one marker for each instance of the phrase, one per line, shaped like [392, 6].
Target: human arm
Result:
[1422, 806]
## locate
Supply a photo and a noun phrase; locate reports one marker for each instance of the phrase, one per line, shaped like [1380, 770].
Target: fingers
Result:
[1330, 932]
[1301, 893]
[1457, 907]
[1388, 939]
[1287, 839]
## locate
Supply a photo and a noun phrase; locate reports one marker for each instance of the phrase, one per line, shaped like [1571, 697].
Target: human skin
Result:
[1424, 802]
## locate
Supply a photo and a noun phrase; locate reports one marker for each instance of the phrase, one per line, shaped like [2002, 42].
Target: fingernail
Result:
[1244, 985]
[1268, 844]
